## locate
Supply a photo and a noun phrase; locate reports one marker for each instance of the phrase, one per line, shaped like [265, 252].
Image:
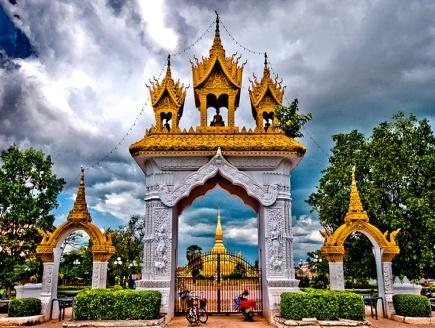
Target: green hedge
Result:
[109, 304]
[323, 305]
[24, 307]
[412, 305]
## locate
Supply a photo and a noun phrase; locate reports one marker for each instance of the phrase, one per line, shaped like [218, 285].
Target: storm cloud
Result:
[351, 64]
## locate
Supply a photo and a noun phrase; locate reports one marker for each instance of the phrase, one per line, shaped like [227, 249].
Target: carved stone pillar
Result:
[158, 252]
[336, 275]
[49, 288]
[278, 251]
[387, 271]
[99, 274]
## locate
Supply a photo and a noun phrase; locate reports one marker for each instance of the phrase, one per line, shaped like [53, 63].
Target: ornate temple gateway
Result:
[254, 165]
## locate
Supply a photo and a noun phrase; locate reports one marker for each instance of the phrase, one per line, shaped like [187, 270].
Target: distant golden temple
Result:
[219, 260]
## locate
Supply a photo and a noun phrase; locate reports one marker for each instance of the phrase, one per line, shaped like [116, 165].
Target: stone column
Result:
[99, 274]
[336, 275]
[49, 289]
[158, 253]
[278, 254]
[387, 270]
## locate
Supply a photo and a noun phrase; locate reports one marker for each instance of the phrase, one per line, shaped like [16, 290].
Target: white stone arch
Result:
[170, 180]
[219, 165]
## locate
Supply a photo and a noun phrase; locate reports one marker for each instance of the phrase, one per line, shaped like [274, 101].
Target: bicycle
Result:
[196, 312]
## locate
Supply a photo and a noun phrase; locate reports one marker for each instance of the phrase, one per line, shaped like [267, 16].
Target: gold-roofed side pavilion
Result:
[167, 99]
[355, 211]
[265, 96]
[80, 211]
[217, 81]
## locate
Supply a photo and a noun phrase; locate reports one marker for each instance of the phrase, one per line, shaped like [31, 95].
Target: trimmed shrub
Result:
[409, 305]
[24, 307]
[322, 304]
[124, 304]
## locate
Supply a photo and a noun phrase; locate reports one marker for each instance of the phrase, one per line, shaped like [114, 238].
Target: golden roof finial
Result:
[80, 210]
[356, 211]
[219, 246]
[168, 68]
[266, 71]
[217, 47]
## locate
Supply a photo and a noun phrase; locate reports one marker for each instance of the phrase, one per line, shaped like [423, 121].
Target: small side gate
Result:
[219, 278]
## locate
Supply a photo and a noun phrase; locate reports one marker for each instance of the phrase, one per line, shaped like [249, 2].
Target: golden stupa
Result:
[217, 83]
[228, 263]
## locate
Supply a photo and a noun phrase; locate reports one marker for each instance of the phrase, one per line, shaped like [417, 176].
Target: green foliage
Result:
[28, 193]
[290, 120]
[412, 305]
[128, 243]
[194, 260]
[24, 307]
[76, 266]
[124, 304]
[395, 171]
[323, 305]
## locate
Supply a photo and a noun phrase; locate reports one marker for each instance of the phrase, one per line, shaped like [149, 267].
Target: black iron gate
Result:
[219, 278]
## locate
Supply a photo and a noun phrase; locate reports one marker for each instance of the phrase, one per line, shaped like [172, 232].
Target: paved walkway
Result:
[236, 321]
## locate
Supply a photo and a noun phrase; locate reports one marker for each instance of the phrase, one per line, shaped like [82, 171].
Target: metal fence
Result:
[219, 278]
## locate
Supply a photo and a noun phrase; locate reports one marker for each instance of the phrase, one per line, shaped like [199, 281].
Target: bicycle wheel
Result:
[202, 315]
[192, 317]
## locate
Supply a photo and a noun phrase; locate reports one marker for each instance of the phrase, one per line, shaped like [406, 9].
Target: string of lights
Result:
[238, 43]
[183, 51]
[103, 159]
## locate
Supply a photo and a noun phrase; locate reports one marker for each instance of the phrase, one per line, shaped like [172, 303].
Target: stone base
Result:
[28, 290]
[274, 297]
[21, 321]
[156, 323]
[314, 323]
[160, 286]
[414, 320]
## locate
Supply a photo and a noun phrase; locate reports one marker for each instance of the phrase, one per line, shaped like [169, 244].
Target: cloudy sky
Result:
[72, 77]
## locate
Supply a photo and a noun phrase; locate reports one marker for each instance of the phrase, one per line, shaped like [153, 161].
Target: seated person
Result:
[217, 119]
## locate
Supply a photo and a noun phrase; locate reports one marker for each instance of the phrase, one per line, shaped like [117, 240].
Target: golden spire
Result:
[266, 71]
[356, 211]
[219, 233]
[217, 46]
[80, 210]
[168, 68]
[219, 246]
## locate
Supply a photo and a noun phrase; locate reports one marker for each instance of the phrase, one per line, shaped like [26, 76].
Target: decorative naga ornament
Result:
[217, 81]
[265, 96]
[167, 99]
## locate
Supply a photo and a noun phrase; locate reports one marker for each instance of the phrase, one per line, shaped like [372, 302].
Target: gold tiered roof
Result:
[355, 211]
[175, 90]
[204, 69]
[217, 83]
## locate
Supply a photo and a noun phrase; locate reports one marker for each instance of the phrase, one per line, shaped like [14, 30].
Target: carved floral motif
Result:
[218, 164]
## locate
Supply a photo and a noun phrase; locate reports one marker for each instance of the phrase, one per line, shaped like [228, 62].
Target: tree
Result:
[28, 192]
[128, 241]
[193, 255]
[395, 171]
[290, 120]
